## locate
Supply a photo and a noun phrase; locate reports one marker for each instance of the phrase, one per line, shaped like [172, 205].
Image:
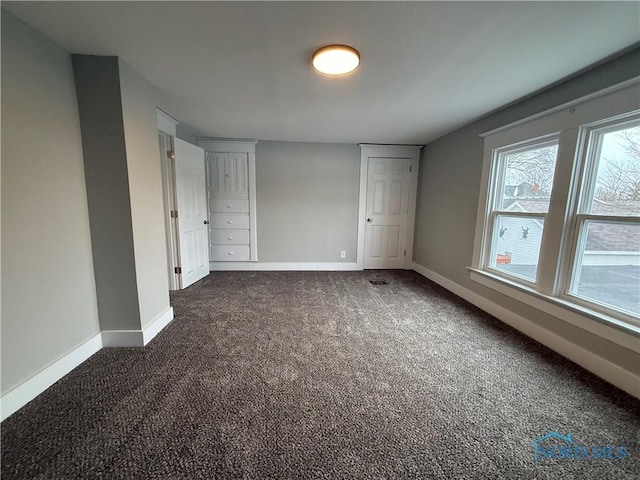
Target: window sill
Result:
[609, 328]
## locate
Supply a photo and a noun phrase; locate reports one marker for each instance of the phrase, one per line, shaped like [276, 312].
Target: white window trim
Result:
[566, 121]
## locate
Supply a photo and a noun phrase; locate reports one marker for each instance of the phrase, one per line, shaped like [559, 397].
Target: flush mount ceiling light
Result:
[336, 59]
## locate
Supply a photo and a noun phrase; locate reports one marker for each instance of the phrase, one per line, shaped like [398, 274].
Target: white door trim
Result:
[169, 198]
[392, 151]
[167, 128]
[166, 123]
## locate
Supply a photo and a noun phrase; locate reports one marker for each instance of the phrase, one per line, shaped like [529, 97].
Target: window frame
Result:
[497, 181]
[562, 225]
[587, 159]
[577, 248]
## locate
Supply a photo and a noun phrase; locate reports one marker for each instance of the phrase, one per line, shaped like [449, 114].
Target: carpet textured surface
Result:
[321, 375]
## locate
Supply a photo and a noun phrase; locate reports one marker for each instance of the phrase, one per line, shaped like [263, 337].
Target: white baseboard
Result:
[137, 338]
[612, 373]
[15, 399]
[122, 338]
[284, 266]
[157, 325]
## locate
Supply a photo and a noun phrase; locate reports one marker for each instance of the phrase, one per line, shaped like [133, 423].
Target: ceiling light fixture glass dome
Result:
[336, 59]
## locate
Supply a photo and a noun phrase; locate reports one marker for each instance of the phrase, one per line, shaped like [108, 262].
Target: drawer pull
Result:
[230, 253]
[229, 222]
[229, 238]
[229, 206]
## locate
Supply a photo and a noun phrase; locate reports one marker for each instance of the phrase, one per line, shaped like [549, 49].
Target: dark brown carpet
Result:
[321, 375]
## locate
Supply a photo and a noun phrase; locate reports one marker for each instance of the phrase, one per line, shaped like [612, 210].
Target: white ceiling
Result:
[243, 69]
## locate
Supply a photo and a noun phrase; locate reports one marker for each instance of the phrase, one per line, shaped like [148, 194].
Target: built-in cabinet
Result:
[230, 170]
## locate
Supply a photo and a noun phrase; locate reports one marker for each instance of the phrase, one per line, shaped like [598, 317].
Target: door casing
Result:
[367, 151]
[165, 142]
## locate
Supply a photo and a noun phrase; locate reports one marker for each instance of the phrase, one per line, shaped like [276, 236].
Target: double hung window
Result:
[559, 214]
[519, 205]
[606, 250]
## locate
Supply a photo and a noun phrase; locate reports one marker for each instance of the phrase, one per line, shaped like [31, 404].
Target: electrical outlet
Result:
[343, 254]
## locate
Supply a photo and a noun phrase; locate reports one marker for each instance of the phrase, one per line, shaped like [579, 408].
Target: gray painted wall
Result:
[449, 187]
[124, 185]
[145, 190]
[99, 100]
[48, 289]
[307, 201]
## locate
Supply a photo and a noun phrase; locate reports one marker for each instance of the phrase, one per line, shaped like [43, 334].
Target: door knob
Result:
[369, 220]
[206, 222]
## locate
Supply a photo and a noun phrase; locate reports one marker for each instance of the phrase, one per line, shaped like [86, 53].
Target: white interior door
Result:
[191, 202]
[387, 212]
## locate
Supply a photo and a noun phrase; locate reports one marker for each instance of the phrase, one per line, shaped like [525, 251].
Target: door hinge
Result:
[174, 214]
[178, 270]
[171, 154]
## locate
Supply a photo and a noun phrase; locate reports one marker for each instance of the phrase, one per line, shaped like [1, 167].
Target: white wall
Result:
[97, 80]
[48, 289]
[307, 201]
[124, 184]
[145, 190]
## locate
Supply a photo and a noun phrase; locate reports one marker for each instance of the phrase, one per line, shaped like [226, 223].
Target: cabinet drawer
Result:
[223, 253]
[237, 221]
[231, 205]
[229, 237]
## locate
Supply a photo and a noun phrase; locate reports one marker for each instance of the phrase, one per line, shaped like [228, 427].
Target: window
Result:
[606, 268]
[521, 193]
[559, 212]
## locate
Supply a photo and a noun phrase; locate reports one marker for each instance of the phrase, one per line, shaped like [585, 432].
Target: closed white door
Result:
[191, 202]
[387, 212]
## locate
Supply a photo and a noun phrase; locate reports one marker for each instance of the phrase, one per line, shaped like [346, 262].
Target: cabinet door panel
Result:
[237, 175]
[216, 173]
